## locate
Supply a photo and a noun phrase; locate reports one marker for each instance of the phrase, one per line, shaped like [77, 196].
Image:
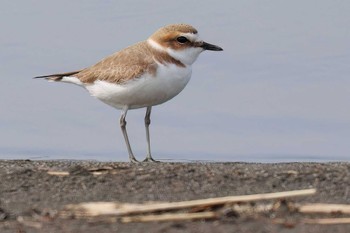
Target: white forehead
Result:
[190, 36]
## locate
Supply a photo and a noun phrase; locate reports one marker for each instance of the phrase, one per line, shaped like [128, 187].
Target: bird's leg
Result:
[147, 123]
[125, 134]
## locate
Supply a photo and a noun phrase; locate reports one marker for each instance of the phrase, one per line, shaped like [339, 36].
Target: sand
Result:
[31, 198]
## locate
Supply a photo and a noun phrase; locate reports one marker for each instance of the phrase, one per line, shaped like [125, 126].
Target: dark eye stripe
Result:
[181, 39]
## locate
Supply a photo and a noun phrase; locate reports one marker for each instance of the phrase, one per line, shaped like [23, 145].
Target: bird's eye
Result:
[181, 39]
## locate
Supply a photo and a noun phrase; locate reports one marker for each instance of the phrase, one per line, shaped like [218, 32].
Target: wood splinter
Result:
[170, 217]
[121, 209]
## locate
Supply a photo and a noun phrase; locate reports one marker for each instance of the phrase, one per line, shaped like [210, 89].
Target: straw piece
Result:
[58, 173]
[170, 217]
[322, 208]
[327, 221]
[115, 208]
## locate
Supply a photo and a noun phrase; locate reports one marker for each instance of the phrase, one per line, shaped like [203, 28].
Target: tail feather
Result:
[57, 77]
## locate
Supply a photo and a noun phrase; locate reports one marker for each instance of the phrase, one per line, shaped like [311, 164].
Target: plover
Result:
[143, 75]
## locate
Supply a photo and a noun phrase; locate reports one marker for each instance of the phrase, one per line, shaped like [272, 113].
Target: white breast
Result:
[147, 90]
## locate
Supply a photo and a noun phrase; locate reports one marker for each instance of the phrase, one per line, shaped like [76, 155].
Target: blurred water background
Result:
[278, 92]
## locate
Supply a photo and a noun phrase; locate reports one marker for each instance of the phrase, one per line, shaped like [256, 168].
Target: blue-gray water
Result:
[278, 92]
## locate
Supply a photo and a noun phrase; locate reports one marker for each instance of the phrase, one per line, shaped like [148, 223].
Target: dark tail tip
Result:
[57, 77]
[50, 78]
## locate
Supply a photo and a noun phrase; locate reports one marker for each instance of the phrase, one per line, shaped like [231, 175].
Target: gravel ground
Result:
[30, 197]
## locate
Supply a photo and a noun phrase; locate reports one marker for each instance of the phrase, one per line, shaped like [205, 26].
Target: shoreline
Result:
[27, 187]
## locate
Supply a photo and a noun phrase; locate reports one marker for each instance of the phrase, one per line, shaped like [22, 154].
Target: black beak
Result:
[207, 46]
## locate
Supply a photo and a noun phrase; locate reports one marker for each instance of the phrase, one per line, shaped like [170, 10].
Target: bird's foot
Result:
[150, 160]
[134, 160]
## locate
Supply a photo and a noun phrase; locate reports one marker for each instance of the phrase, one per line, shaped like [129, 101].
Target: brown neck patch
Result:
[164, 58]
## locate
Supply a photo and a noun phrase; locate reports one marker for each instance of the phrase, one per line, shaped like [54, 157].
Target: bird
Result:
[142, 75]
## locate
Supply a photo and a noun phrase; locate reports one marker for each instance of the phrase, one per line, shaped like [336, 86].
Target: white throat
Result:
[186, 56]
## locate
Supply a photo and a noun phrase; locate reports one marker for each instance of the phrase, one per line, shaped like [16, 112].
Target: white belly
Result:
[145, 91]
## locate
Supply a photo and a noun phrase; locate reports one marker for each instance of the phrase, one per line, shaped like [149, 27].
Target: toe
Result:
[150, 160]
